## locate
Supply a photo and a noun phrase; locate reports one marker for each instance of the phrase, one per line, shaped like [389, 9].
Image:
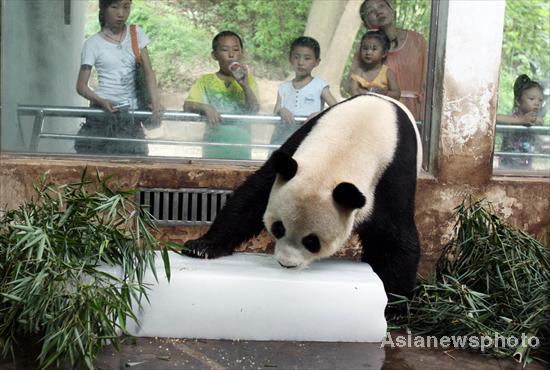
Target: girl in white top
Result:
[304, 95]
[110, 52]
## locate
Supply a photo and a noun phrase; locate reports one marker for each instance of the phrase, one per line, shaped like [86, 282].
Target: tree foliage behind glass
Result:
[266, 26]
[181, 32]
[413, 15]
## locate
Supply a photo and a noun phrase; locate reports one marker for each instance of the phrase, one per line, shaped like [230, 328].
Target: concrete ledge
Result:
[250, 297]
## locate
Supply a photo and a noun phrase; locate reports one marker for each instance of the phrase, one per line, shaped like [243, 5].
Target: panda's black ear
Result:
[347, 195]
[284, 165]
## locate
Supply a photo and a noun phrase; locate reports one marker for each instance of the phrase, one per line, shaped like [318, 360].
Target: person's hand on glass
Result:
[107, 105]
[378, 90]
[157, 109]
[286, 116]
[530, 118]
[244, 80]
[212, 115]
[361, 91]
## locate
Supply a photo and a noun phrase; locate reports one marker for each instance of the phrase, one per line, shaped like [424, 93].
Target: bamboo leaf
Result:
[12, 297]
[490, 279]
[166, 260]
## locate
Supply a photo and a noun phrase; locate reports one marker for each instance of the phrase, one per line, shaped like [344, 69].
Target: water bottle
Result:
[237, 70]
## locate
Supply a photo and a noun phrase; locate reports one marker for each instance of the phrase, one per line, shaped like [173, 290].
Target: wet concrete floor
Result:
[191, 354]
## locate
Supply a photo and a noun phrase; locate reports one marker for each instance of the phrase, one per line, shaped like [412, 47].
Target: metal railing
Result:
[536, 130]
[40, 113]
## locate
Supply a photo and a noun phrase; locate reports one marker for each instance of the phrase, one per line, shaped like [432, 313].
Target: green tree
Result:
[266, 26]
[181, 32]
[413, 15]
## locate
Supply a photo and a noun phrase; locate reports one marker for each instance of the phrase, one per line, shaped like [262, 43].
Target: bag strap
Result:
[135, 47]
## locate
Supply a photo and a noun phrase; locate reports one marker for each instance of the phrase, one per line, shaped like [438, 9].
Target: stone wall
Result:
[523, 203]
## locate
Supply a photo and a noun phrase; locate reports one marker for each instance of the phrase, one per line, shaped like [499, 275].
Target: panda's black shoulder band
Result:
[284, 165]
[347, 195]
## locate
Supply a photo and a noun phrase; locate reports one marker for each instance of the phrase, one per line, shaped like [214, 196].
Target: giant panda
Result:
[352, 167]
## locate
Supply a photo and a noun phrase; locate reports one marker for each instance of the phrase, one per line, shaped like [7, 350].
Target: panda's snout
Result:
[285, 266]
[287, 256]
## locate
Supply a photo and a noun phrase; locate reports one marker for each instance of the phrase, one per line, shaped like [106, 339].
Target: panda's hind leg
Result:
[393, 253]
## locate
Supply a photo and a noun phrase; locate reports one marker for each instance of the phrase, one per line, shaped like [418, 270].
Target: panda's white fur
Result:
[353, 143]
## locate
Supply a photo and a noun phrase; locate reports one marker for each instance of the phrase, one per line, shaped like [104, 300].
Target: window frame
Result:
[433, 100]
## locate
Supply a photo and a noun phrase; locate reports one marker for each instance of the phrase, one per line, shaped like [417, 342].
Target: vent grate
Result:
[187, 206]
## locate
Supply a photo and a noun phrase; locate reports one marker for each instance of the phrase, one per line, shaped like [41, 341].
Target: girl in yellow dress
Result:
[373, 75]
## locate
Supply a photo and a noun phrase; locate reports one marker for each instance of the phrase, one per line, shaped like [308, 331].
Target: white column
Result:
[470, 87]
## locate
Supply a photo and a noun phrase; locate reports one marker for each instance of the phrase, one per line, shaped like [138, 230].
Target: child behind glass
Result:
[304, 95]
[373, 75]
[528, 98]
[225, 92]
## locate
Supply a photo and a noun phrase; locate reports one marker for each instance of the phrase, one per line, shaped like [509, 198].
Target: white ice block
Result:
[251, 297]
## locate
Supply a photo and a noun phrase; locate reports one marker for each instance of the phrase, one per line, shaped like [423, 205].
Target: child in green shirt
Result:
[222, 92]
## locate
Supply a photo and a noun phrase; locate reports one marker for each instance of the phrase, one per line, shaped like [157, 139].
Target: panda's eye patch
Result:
[311, 242]
[278, 229]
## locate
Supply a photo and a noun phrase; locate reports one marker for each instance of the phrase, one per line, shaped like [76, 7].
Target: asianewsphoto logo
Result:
[457, 341]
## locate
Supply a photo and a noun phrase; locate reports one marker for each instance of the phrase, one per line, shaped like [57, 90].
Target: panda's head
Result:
[308, 222]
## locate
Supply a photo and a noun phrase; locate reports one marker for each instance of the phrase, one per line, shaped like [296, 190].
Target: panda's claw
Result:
[200, 248]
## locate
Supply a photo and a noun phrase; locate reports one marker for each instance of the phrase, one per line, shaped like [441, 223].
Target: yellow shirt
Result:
[210, 89]
[380, 81]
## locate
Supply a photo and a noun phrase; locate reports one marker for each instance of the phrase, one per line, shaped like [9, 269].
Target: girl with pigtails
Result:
[528, 98]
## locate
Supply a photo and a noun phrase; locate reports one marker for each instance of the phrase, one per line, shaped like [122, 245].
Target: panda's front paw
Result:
[201, 248]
